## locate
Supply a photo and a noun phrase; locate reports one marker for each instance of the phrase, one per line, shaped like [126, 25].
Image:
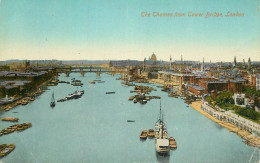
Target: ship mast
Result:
[52, 95]
[160, 111]
[53, 99]
[162, 116]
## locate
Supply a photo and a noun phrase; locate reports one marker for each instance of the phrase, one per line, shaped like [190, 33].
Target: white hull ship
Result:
[74, 95]
[162, 145]
[6, 100]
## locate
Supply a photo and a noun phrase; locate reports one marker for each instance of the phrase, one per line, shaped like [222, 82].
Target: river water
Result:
[94, 128]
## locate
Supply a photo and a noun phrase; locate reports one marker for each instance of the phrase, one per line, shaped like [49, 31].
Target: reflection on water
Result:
[163, 158]
[142, 140]
[219, 127]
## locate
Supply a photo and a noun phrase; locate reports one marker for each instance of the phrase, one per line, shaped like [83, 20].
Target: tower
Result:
[244, 64]
[170, 62]
[27, 64]
[249, 63]
[203, 66]
[181, 60]
[235, 62]
[144, 64]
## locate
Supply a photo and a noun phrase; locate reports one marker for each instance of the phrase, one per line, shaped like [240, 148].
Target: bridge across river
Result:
[89, 69]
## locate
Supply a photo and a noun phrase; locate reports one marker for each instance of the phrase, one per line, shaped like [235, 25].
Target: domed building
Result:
[153, 57]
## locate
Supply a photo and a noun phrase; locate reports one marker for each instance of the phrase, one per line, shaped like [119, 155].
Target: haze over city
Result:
[94, 30]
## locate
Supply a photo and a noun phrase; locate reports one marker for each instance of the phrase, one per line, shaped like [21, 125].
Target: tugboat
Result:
[52, 104]
[162, 145]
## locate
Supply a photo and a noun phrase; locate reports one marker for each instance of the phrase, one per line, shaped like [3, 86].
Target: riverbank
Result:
[26, 98]
[168, 84]
[162, 82]
[250, 139]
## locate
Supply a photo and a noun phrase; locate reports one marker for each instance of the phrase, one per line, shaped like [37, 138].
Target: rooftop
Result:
[197, 87]
[217, 81]
[174, 73]
[14, 83]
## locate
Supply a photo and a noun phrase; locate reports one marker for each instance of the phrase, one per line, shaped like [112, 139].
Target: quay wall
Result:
[228, 116]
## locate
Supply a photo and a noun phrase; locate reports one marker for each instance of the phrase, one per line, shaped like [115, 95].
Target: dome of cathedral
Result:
[153, 57]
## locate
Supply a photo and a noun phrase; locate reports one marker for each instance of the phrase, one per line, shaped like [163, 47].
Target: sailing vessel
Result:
[52, 104]
[162, 145]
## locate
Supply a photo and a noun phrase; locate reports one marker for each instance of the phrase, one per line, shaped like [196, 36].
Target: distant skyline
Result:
[115, 30]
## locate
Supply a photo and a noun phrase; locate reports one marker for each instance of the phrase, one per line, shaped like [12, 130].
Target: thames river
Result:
[94, 128]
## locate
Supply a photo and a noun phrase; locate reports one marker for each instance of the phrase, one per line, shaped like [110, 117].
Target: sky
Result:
[116, 29]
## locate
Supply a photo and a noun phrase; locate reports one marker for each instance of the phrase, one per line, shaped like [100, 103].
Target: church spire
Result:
[235, 62]
[203, 66]
[249, 63]
[170, 62]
